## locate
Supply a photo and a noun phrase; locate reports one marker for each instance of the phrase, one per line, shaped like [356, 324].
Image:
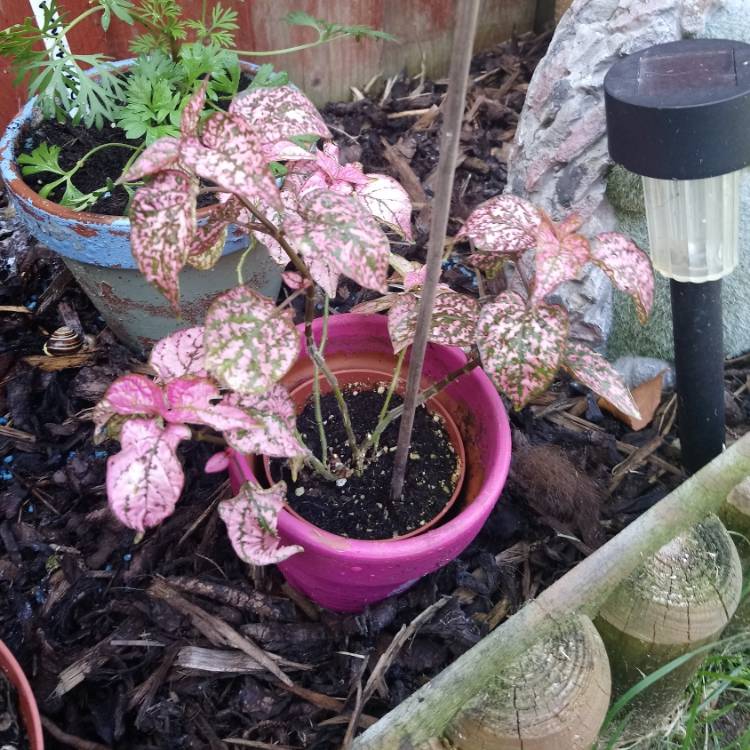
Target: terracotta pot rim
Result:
[14, 181]
[434, 404]
[27, 702]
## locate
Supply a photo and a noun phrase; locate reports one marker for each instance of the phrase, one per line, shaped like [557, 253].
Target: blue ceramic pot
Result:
[96, 248]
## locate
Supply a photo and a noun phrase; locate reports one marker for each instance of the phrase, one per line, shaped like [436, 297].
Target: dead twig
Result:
[13, 434]
[215, 630]
[211, 660]
[376, 681]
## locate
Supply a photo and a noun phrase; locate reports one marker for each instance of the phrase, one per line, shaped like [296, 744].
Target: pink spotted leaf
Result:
[198, 401]
[252, 518]
[128, 395]
[402, 320]
[559, 257]
[191, 112]
[488, 263]
[505, 224]
[217, 463]
[336, 234]
[159, 156]
[388, 202]
[207, 244]
[250, 345]
[521, 347]
[326, 171]
[415, 278]
[179, 354]
[596, 373]
[294, 280]
[162, 217]
[229, 153]
[280, 113]
[145, 479]
[628, 267]
[454, 319]
[273, 432]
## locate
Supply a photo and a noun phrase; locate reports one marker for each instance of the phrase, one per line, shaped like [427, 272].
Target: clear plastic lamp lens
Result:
[693, 226]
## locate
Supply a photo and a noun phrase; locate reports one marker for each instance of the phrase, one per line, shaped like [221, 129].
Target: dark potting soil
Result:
[75, 141]
[12, 733]
[361, 507]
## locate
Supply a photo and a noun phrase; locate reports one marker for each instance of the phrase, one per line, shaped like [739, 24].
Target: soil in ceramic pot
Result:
[360, 508]
[75, 141]
[12, 733]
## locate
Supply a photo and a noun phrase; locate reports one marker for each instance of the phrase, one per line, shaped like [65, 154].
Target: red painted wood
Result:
[423, 28]
[11, 98]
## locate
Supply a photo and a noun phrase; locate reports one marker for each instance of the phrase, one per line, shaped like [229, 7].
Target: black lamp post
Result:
[679, 115]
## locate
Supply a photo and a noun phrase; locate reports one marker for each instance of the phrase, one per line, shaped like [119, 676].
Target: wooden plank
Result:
[423, 27]
[425, 714]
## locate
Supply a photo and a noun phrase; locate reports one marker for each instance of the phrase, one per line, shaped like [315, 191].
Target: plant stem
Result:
[387, 402]
[243, 257]
[312, 349]
[278, 235]
[133, 157]
[101, 147]
[288, 50]
[97, 9]
[68, 176]
[320, 363]
[422, 397]
[319, 466]
[463, 44]
[316, 388]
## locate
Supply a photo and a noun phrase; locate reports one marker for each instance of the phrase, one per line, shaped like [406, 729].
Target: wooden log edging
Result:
[555, 696]
[735, 513]
[426, 714]
[680, 599]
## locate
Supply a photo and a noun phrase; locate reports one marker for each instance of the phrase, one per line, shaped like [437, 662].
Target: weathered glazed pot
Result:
[96, 248]
[348, 574]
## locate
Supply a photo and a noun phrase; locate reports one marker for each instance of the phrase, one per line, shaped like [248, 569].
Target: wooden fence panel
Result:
[423, 27]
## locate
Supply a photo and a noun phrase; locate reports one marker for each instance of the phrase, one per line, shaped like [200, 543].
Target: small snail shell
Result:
[63, 341]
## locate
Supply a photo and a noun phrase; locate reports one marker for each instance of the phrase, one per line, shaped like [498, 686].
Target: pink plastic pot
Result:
[346, 575]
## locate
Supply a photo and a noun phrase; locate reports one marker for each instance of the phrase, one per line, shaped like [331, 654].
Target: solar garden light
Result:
[679, 115]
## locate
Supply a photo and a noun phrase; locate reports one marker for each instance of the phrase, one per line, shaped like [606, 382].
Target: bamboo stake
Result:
[426, 713]
[555, 696]
[467, 12]
[680, 599]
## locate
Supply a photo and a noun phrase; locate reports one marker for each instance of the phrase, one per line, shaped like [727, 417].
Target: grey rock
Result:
[559, 159]
[637, 370]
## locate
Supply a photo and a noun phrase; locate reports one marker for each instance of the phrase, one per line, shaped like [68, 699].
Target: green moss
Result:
[625, 191]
